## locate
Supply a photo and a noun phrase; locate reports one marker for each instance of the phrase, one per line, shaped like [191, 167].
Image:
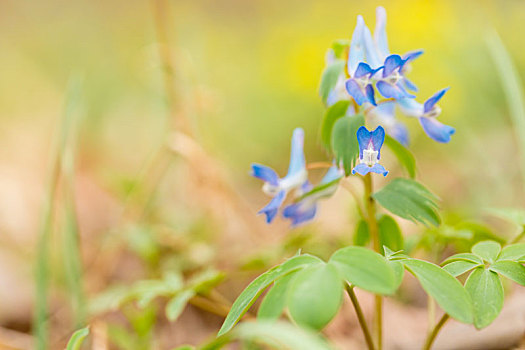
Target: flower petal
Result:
[410, 107]
[297, 161]
[437, 130]
[363, 139]
[409, 85]
[355, 91]
[370, 49]
[300, 212]
[362, 70]
[332, 174]
[380, 37]
[377, 138]
[392, 62]
[392, 91]
[361, 169]
[399, 132]
[357, 53]
[379, 169]
[412, 55]
[265, 173]
[272, 208]
[433, 100]
[370, 98]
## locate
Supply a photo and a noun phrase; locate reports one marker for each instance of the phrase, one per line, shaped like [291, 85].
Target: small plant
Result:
[362, 86]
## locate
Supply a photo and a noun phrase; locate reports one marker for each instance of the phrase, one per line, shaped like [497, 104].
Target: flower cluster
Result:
[375, 77]
[297, 183]
[374, 82]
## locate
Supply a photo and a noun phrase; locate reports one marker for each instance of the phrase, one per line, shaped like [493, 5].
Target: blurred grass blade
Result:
[513, 91]
[71, 253]
[43, 257]
[76, 340]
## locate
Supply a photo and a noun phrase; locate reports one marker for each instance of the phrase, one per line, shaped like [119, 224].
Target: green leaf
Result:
[315, 296]
[329, 78]
[487, 250]
[76, 340]
[512, 252]
[339, 47]
[365, 269]
[321, 191]
[459, 267]
[280, 335]
[409, 200]
[176, 305]
[389, 233]
[274, 302]
[463, 256]
[205, 280]
[332, 114]
[344, 140]
[405, 157]
[486, 292]
[254, 289]
[443, 287]
[362, 233]
[399, 272]
[185, 347]
[510, 269]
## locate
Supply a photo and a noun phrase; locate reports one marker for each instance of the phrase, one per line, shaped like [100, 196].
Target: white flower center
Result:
[270, 190]
[369, 156]
[394, 78]
[434, 112]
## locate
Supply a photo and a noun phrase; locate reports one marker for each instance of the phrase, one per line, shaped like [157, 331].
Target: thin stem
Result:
[318, 165]
[432, 335]
[374, 233]
[431, 307]
[360, 317]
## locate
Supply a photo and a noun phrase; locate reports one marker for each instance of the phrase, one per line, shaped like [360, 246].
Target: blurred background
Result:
[237, 78]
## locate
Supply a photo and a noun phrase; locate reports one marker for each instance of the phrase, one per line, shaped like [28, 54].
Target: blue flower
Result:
[359, 86]
[277, 187]
[427, 114]
[391, 83]
[305, 209]
[370, 151]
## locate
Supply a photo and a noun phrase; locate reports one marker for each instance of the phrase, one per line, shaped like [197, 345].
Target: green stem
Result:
[432, 335]
[360, 317]
[374, 233]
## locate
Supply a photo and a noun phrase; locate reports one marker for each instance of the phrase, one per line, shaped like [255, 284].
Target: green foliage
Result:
[275, 300]
[344, 140]
[332, 114]
[279, 335]
[404, 156]
[76, 340]
[443, 287]
[512, 252]
[389, 233]
[315, 296]
[510, 269]
[487, 250]
[464, 256]
[250, 294]
[340, 46]
[365, 269]
[329, 78]
[362, 233]
[486, 292]
[177, 304]
[459, 267]
[144, 292]
[409, 200]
